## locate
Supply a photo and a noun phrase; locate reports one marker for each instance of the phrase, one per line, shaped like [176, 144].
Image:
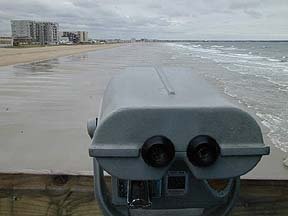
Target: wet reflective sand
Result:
[44, 107]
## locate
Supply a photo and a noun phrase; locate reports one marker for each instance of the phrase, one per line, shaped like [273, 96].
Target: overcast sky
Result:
[162, 19]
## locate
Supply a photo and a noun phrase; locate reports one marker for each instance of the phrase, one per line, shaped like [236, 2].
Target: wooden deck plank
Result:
[22, 194]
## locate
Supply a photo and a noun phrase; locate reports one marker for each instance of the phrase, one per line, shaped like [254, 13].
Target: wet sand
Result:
[45, 106]
[10, 56]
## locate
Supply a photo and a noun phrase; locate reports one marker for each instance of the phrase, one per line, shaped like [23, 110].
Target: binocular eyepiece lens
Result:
[158, 151]
[203, 151]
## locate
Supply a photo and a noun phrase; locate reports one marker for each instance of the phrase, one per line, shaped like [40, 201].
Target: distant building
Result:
[27, 31]
[76, 37]
[21, 28]
[73, 37]
[65, 40]
[83, 36]
[47, 33]
[6, 41]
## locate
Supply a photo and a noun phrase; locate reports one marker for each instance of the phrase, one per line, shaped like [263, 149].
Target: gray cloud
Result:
[254, 14]
[180, 19]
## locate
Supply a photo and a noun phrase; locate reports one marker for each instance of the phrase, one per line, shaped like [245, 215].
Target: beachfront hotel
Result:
[32, 32]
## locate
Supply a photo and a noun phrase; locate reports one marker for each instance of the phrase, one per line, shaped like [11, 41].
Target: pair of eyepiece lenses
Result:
[159, 151]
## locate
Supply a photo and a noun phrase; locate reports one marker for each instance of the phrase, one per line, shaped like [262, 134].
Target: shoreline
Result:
[274, 162]
[11, 56]
[51, 103]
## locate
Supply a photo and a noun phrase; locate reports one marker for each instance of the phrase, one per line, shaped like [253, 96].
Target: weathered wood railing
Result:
[22, 194]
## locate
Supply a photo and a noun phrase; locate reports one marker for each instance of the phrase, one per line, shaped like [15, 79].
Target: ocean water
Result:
[45, 105]
[256, 76]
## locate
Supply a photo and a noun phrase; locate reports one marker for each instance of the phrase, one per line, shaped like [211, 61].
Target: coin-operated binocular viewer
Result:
[171, 144]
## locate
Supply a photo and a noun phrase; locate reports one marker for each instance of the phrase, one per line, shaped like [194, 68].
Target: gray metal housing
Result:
[173, 102]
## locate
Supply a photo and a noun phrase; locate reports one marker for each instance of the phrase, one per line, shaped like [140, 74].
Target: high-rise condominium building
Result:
[35, 32]
[21, 28]
[83, 36]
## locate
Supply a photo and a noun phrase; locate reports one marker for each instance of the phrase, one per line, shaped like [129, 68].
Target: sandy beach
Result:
[45, 105]
[10, 56]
